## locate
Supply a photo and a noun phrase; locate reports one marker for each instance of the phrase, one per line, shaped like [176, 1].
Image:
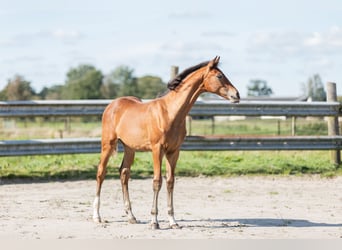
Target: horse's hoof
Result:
[175, 226]
[155, 226]
[97, 219]
[132, 220]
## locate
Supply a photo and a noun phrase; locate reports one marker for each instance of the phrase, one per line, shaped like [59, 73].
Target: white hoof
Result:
[97, 219]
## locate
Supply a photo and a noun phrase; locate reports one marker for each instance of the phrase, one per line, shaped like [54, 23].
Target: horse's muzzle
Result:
[234, 98]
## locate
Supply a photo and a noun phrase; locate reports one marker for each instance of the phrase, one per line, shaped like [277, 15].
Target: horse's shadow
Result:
[254, 222]
[240, 222]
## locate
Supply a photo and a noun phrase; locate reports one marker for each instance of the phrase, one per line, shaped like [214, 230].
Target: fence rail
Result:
[201, 108]
[191, 143]
[209, 108]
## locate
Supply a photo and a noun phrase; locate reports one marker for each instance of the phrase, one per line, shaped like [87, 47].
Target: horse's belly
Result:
[136, 143]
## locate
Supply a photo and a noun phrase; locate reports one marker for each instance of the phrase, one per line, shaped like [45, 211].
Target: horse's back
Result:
[125, 100]
[120, 104]
[123, 114]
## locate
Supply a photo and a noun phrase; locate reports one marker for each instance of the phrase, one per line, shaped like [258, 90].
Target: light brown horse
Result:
[157, 126]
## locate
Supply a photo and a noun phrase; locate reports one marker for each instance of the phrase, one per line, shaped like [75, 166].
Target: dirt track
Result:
[206, 208]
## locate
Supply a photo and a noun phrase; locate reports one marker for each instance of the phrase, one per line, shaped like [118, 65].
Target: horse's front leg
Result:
[171, 160]
[157, 183]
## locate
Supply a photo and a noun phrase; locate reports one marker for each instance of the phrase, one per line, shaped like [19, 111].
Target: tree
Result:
[119, 82]
[53, 93]
[123, 78]
[110, 88]
[3, 96]
[150, 87]
[258, 87]
[83, 82]
[18, 89]
[314, 88]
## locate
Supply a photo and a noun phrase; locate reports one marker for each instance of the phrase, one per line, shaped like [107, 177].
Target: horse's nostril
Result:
[235, 98]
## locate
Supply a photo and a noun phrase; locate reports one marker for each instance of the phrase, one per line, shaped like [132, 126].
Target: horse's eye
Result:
[219, 76]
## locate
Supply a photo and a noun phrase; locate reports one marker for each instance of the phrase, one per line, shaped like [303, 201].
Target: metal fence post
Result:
[333, 129]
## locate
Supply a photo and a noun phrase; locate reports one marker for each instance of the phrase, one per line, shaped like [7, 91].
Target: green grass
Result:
[210, 163]
[223, 163]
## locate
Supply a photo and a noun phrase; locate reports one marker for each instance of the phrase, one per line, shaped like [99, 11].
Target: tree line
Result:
[313, 88]
[87, 82]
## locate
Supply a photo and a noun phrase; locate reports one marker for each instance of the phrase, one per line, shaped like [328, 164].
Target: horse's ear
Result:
[217, 60]
[213, 63]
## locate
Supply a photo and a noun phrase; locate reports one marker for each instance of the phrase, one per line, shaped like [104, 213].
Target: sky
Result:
[282, 42]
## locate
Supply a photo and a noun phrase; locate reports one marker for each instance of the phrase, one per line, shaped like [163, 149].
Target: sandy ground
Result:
[206, 208]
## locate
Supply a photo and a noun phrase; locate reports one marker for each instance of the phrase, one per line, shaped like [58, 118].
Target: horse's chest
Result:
[167, 133]
[173, 137]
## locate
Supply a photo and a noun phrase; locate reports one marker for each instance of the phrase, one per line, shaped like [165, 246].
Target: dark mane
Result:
[174, 83]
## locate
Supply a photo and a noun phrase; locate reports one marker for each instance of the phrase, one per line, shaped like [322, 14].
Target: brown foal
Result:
[157, 126]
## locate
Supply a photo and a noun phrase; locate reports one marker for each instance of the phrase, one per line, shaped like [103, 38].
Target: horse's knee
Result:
[101, 172]
[170, 186]
[124, 174]
[170, 182]
[157, 184]
[124, 171]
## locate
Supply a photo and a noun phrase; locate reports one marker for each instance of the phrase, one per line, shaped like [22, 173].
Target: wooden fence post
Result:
[293, 126]
[173, 72]
[333, 129]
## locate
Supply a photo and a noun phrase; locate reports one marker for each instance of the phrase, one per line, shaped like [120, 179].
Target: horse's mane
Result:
[174, 83]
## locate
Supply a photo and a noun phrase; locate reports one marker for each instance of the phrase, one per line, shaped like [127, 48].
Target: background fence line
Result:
[191, 143]
[68, 108]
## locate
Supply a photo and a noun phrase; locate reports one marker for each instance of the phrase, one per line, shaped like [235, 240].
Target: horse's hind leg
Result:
[106, 151]
[125, 171]
[171, 160]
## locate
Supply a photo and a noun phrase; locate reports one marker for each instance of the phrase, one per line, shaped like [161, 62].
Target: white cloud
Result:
[186, 47]
[189, 15]
[66, 35]
[7, 42]
[27, 38]
[277, 43]
[288, 44]
[218, 34]
[315, 39]
[334, 36]
[330, 38]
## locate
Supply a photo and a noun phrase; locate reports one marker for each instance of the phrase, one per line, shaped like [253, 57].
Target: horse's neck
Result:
[181, 100]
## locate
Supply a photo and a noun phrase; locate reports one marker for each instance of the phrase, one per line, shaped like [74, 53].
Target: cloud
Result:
[6, 42]
[217, 34]
[275, 42]
[282, 45]
[66, 35]
[331, 38]
[76, 57]
[315, 39]
[185, 47]
[189, 15]
[28, 38]
[23, 59]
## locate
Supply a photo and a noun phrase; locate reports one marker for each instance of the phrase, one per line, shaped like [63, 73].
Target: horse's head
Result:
[216, 82]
